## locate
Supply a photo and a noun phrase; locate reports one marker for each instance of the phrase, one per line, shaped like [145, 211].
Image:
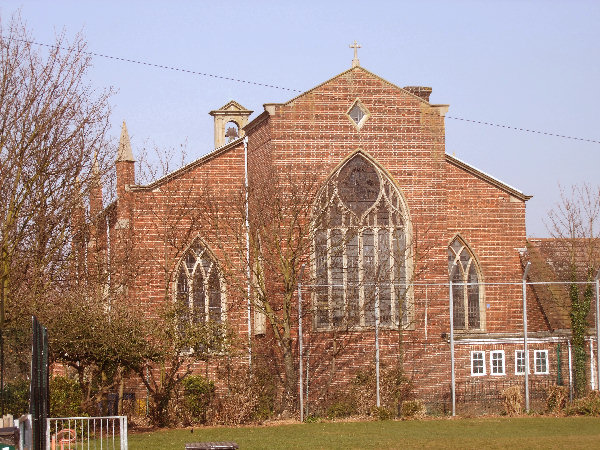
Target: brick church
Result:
[384, 215]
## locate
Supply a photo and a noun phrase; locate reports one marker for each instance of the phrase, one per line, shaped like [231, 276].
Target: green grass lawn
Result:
[484, 433]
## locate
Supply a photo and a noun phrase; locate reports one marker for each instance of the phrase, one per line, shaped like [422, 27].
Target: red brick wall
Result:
[309, 137]
[166, 218]
[312, 135]
[493, 225]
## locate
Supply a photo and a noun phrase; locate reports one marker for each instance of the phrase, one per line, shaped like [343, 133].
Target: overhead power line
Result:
[162, 66]
[274, 86]
[526, 130]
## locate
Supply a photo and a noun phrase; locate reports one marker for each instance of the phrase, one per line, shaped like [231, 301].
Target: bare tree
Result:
[265, 253]
[51, 127]
[289, 215]
[53, 131]
[179, 334]
[575, 224]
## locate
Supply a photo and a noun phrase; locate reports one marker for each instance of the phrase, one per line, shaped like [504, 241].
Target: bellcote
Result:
[230, 120]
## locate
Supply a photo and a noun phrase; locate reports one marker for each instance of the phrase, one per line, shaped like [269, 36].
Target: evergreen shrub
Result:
[65, 397]
[16, 398]
[198, 394]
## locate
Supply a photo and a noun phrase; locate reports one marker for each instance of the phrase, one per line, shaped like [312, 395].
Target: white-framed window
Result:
[541, 361]
[497, 362]
[519, 362]
[477, 363]
[361, 249]
[467, 291]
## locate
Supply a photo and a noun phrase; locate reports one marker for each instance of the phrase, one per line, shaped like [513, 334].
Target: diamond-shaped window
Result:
[358, 113]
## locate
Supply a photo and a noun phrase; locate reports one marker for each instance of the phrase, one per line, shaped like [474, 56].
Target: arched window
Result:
[360, 249]
[466, 290]
[200, 292]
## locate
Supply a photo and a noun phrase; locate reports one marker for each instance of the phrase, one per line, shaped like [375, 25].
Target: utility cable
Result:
[274, 86]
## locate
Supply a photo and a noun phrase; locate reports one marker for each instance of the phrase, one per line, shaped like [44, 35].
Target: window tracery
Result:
[360, 250]
[200, 292]
[467, 291]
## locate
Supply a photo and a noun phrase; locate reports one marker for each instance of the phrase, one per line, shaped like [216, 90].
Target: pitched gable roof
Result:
[357, 68]
[231, 105]
[485, 177]
[198, 162]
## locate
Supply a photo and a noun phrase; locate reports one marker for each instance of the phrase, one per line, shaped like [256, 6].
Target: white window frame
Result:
[482, 353]
[522, 352]
[502, 359]
[535, 357]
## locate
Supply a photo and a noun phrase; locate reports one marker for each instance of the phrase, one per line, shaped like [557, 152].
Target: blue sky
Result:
[527, 64]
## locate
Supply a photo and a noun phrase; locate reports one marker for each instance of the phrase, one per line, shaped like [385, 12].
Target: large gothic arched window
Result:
[360, 249]
[467, 291]
[200, 292]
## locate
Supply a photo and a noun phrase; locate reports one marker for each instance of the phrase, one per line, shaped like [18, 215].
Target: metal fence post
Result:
[452, 376]
[124, 433]
[39, 404]
[378, 402]
[597, 280]
[300, 342]
[526, 350]
[248, 270]
[48, 433]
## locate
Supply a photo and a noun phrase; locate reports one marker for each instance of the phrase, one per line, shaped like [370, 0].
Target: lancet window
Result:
[360, 250]
[200, 293]
[467, 290]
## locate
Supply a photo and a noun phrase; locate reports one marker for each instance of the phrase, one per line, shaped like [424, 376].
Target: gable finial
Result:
[355, 61]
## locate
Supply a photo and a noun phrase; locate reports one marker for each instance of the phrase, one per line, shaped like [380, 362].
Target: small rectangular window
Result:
[497, 362]
[541, 361]
[477, 363]
[519, 362]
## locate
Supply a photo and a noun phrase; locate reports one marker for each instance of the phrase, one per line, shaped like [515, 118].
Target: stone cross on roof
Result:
[355, 61]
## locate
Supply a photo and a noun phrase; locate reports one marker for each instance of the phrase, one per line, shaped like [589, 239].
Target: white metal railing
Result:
[86, 433]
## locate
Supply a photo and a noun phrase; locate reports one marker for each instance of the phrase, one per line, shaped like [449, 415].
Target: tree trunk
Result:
[121, 388]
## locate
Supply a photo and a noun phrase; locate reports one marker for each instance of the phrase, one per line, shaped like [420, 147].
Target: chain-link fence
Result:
[347, 351]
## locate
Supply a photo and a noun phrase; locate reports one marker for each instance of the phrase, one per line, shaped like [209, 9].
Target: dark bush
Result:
[341, 406]
[16, 398]
[394, 388]
[198, 395]
[65, 397]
